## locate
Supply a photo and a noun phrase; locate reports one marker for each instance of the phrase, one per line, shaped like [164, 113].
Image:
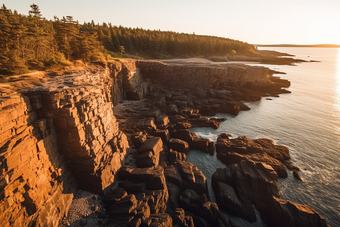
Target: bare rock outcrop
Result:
[141, 198]
[241, 185]
[260, 150]
[194, 141]
[56, 136]
[149, 152]
[178, 145]
[288, 213]
[185, 175]
[204, 75]
[35, 182]
[69, 132]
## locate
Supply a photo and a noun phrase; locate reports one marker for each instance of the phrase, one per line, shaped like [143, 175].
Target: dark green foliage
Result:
[32, 42]
[154, 43]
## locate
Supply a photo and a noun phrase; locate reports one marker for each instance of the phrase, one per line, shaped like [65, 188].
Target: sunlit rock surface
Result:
[70, 130]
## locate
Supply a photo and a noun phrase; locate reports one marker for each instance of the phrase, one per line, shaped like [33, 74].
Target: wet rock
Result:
[210, 213]
[219, 119]
[185, 175]
[204, 122]
[225, 135]
[276, 151]
[194, 141]
[289, 214]
[239, 186]
[291, 166]
[261, 150]
[297, 175]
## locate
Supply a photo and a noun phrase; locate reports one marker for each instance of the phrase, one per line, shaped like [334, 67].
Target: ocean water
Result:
[307, 121]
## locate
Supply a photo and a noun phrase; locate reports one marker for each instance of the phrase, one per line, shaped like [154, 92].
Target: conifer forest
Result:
[31, 42]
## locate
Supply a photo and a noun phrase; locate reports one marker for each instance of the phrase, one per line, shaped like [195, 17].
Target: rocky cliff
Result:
[62, 132]
[210, 76]
[36, 185]
[59, 136]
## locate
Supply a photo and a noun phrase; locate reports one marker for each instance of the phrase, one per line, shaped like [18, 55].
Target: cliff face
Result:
[87, 134]
[127, 82]
[204, 75]
[35, 183]
[60, 137]
[64, 135]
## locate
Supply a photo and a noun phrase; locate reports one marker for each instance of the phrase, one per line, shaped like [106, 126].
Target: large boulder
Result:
[153, 177]
[204, 122]
[146, 182]
[240, 185]
[290, 214]
[199, 207]
[194, 141]
[186, 175]
[149, 152]
[127, 209]
[178, 145]
[261, 150]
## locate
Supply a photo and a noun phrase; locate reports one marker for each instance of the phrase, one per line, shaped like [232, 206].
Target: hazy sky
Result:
[252, 21]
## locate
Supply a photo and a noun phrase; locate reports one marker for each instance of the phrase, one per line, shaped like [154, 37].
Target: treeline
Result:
[154, 43]
[32, 42]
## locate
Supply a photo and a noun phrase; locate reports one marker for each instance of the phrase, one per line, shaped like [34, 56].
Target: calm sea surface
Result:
[307, 121]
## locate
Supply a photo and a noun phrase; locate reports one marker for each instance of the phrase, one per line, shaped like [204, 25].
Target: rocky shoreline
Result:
[122, 131]
[262, 56]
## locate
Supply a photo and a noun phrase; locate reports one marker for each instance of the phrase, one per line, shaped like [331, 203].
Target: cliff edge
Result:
[121, 131]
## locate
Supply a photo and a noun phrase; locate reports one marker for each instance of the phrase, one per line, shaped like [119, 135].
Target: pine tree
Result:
[35, 11]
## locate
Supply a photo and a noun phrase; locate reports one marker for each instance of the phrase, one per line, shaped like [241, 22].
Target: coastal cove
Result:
[307, 121]
[121, 131]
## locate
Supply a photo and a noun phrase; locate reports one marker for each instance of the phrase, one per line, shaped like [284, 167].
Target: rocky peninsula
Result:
[121, 131]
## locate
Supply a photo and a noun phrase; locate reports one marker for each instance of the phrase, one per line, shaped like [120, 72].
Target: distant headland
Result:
[298, 45]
